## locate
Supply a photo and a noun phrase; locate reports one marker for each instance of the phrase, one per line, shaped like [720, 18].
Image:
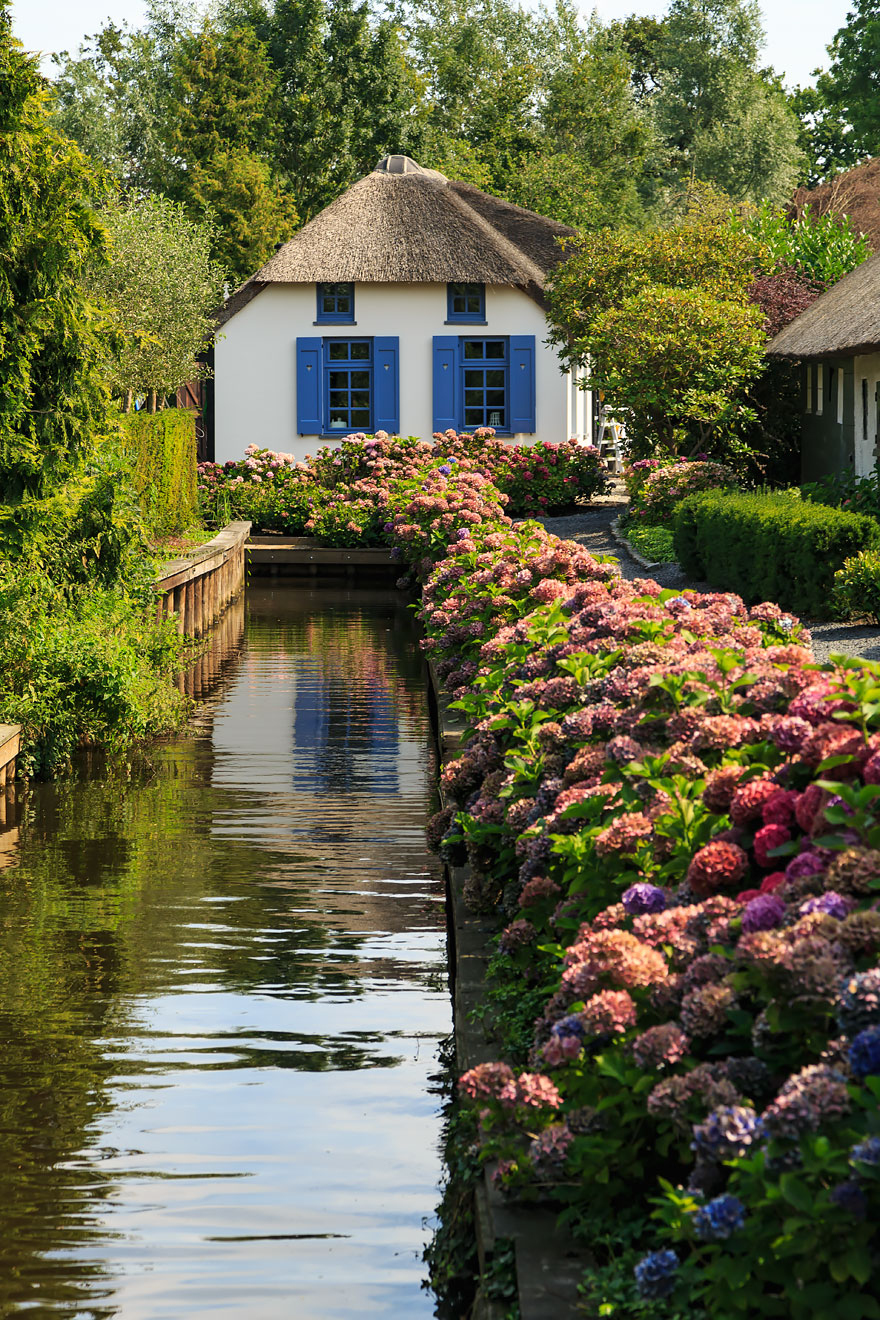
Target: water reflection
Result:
[224, 981]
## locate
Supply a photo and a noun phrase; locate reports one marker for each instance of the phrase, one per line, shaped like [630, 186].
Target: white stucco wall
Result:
[867, 367]
[255, 361]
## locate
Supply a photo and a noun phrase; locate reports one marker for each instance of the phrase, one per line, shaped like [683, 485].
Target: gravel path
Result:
[592, 529]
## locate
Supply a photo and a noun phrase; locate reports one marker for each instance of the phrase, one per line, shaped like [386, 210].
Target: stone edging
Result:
[619, 537]
[549, 1264]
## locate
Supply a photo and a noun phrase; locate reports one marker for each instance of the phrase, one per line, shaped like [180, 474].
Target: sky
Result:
[797, 30]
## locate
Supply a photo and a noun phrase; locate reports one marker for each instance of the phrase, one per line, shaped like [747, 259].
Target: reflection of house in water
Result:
[344, 740]
[321, 724]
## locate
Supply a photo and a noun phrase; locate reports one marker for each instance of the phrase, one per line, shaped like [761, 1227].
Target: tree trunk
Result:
[153, 401]
[127, 401]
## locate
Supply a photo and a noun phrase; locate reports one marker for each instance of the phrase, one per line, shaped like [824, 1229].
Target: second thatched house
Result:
[412, 304]
[836, 341]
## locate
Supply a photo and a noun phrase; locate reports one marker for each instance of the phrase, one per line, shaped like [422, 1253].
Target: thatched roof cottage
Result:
[837, 342]
[411, 304]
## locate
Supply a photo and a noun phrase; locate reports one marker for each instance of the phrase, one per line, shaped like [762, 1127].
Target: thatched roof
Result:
[403, 224]
[843, 321]
[854, 193]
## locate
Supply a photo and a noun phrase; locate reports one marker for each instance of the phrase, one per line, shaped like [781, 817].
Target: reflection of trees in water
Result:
[99, 911]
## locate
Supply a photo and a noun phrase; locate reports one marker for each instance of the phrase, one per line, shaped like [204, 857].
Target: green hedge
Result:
[769, 547]
[162, 450]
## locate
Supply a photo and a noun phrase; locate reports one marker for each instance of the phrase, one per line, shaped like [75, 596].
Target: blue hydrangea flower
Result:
[866, 1152]
[729, 1132]
[849, 1196]
[643, 897]
[864, 1053]
[716, 1221]
[569, 1026]
[859, 1004]
[445, 469]
[655, 1273]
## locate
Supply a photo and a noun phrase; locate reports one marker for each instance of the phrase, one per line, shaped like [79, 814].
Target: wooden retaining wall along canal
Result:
[198, 586]
[301, 556]
[10, 746]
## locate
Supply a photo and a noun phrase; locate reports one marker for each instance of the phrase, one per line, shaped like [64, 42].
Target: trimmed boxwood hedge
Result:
[769, 546]
[162, 449]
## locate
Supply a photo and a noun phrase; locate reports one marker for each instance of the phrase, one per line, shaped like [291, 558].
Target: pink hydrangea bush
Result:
[655, 499]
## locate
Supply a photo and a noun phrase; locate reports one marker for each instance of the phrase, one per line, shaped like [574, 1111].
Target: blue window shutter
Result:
[386, 384]
[446, 388]
[522, 384]
[308, 386]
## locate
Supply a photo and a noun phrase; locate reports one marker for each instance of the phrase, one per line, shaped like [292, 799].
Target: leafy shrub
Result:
[857, 587]
[636, 474]
[667, 486]
[161, 448]
[88, 668]
[844, 490]
[769, 546]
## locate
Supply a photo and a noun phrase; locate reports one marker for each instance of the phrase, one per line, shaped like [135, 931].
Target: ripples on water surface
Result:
[224, 984]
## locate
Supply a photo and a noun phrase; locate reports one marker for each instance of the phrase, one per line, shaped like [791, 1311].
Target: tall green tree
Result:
[483, 67]
[841, 113]
[52, 337]
[220, 135]
[728, 122]
[591, 115]
[346, 94]
[160, 286]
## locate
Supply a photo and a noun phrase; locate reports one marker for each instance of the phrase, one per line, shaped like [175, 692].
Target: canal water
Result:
[223, 989]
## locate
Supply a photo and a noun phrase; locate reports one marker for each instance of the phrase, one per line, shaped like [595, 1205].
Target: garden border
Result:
[619, 537]
[549, 1264]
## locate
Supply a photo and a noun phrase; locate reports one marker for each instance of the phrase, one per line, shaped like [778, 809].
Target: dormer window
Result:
[335, 302]
[466, 302]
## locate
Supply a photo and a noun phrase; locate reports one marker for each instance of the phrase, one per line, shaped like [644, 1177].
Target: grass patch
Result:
[655, 543]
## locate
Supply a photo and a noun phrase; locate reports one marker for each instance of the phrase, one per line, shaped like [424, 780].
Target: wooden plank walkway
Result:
[302, 554]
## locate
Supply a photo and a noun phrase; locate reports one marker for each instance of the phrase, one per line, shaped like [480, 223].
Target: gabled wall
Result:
[255, 360]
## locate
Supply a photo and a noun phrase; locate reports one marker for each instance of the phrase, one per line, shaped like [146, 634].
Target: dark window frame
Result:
[334, 294]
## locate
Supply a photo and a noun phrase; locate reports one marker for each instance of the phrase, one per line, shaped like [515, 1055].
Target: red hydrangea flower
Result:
[768, 838]
[717, 866]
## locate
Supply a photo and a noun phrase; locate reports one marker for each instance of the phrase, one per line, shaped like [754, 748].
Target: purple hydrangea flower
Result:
[864, 1053]
[642, 897]
[848, 1196]
[831, 903]
[445, 469]
[462, 534]
[866, 1152]
[728, 1133]
[655, 1273]
[765, 912]
[806, 863]
[716, 1221]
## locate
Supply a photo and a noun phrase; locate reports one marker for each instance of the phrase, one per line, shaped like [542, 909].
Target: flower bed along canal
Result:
[224, 985]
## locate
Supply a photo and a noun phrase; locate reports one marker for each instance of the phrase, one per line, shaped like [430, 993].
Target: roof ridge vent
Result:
[398, 164]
